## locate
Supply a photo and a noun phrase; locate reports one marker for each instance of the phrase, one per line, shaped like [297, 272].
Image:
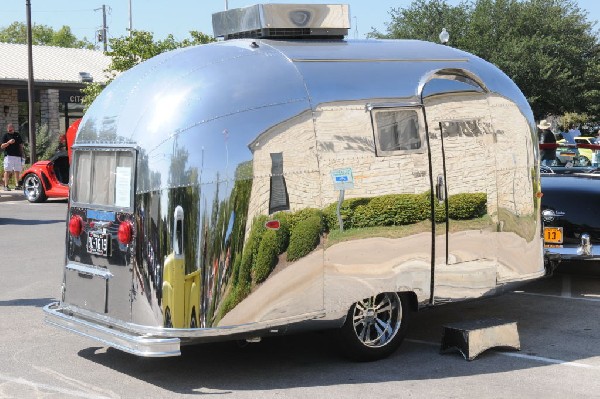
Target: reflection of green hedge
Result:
[402, 209]
[266, 258]
[347, 211]
[251, 249]
[235, 296]
[467, 206]
[304, 238]
[392, 210]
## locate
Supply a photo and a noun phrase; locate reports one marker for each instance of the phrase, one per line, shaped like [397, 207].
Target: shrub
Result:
[283, 234]
[302, 214]
[266, 258]
[346, 211]
[467, 205]
[235, 296]
[251, 249]
[304, 238]
[398, 209]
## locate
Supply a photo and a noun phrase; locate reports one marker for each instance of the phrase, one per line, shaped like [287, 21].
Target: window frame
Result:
[74, 172]
[418, 110]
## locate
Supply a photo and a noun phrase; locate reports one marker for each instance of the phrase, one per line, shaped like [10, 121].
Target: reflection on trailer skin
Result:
[343, 197]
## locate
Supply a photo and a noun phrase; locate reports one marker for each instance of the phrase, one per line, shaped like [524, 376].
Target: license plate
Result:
[553, 235]
[97, 243]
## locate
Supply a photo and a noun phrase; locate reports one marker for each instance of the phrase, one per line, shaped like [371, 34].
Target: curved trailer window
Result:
[103, 177]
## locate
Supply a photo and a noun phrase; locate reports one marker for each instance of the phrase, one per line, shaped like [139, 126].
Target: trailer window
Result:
[103, 178]
[396, 131]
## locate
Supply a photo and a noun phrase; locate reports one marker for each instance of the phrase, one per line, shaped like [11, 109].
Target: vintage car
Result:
[566, 153]
[47, 179]
[50, 178]
[569, 210]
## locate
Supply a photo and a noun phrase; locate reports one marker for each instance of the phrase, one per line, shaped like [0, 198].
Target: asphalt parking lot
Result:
[557, 320]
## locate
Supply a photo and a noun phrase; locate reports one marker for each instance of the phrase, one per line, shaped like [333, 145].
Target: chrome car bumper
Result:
[110, 335]
[584, 251]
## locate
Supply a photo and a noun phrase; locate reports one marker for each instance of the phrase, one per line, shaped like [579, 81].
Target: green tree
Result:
[42, 35]
[128, 51]
[548, 47]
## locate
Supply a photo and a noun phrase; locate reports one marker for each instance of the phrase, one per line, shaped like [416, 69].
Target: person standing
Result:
[548, 155]
[12, 144]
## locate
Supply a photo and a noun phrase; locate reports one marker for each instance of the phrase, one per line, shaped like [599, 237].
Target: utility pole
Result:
[130, 23]
[30, 92]
[226, 5]
[104, 28]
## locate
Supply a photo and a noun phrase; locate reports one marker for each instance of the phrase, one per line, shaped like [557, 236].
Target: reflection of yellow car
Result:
[180, 294]
[566, 154]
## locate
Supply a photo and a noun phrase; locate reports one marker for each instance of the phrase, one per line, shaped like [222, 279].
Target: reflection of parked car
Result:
[571, 213]
[50, 179]
[565, 153]
[47, 179]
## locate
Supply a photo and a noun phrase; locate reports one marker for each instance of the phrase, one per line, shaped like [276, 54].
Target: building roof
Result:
[51, 64]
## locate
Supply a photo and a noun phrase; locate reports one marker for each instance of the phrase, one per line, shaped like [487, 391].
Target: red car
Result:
[50, 179]
[47, 179]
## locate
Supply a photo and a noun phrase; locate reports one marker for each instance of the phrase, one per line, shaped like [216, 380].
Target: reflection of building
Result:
[484, 146]
[59, 74]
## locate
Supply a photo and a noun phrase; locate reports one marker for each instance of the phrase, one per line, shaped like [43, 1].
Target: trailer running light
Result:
[75, 225]
[125, 233]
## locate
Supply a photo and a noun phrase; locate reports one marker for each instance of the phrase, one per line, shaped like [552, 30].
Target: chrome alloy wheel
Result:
[377, 319]
[32, 188]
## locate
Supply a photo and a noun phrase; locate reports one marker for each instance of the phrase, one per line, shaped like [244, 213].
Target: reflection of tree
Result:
[225, 237]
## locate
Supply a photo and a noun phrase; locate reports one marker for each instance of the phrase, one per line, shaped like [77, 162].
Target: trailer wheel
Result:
[375, 327]
[168, 323]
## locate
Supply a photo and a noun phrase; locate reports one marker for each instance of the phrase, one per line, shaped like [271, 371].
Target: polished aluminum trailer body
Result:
[222, 159]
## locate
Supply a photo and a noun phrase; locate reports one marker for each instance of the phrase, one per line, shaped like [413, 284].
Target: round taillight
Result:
[125, 232]
[75, 225]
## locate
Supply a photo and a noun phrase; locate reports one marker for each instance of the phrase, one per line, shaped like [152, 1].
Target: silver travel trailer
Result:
[286, 179]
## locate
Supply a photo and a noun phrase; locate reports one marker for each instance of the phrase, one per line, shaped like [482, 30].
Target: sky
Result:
[178, 17]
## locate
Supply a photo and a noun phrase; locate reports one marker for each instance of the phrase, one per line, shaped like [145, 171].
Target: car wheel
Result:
[375, 327]
[168, 323]
[582, 161]
[33, 188]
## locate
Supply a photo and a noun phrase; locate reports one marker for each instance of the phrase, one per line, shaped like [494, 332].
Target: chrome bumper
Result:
[584, 251]
[139, 345]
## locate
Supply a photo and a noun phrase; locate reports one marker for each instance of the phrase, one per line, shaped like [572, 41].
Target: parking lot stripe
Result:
[522, 356]
[46, 387]
[557, 296]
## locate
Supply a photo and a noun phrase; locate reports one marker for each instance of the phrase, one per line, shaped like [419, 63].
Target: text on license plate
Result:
[553, 235]
[97, 243]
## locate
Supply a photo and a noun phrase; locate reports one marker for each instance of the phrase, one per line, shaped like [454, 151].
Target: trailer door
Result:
[463, 183]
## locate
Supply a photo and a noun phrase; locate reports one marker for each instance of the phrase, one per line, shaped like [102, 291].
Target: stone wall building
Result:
[59, 75]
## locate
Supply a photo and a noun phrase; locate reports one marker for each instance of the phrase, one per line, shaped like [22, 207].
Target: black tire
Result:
[375, 327]
[33, 188]
[168, 323]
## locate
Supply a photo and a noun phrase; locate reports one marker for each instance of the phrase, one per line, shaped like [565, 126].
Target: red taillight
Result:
[125, 232]
[273, 224]
[75, 225]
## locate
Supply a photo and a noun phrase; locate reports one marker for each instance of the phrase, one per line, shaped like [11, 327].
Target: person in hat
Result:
[548, 155]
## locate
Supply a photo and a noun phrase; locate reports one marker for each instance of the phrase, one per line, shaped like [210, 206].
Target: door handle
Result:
[440, 191]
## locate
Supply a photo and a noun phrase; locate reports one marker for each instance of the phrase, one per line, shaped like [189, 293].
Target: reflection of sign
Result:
[342, 179]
